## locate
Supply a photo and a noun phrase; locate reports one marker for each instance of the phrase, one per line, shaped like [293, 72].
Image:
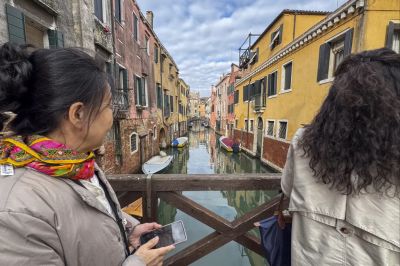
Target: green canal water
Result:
[204, 156]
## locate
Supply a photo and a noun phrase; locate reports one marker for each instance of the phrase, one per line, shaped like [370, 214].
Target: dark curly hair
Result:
[354, 141]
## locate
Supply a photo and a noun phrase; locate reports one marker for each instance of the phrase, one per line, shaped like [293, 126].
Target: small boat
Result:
[157, 164]
[179, 142]
[228, 144]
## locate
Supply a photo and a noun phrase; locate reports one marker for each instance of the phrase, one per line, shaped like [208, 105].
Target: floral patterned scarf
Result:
[46, 156]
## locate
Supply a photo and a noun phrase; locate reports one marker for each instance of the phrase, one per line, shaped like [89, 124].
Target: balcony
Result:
[169, 189]
[121, 103]
[259, 103]
[246, 55]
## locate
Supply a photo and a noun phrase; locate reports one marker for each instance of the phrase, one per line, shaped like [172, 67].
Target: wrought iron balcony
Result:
[120, 101]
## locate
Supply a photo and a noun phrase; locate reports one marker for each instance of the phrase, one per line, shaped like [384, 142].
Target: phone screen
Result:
[169, 234]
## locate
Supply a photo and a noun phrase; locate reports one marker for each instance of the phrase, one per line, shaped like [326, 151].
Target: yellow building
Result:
[183, 106]
[290, 68]
[166, 78]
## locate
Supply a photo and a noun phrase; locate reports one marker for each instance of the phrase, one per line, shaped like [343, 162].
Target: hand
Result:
[134, 237]
[153, 257]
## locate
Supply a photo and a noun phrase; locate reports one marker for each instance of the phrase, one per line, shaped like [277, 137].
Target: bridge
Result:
[169, 188]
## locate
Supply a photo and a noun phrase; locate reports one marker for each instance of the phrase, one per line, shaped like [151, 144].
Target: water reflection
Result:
[203, 156]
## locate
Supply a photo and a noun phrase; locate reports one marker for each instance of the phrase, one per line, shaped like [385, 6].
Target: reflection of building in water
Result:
[168, 213]
[212, 145]
[244, 201]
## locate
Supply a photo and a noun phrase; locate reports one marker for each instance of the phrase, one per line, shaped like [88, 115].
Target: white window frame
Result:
[251, 129]
[147, 44]
[338, 45]
[283, 78]
[277, 89]
[246, 125]
[143, 79]
[330, 77]
[273, 128]
[137, 142]
[279, 128]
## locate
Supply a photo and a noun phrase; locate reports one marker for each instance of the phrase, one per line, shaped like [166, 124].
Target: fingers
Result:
[164, 250]
[151, 243]
[150, 226]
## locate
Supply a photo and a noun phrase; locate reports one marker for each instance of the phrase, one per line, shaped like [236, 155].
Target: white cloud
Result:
[203, 36]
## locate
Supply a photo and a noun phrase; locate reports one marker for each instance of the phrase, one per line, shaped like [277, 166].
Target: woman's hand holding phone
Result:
[150, 256]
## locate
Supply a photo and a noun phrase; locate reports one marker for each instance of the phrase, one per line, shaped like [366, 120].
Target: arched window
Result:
[134, 142]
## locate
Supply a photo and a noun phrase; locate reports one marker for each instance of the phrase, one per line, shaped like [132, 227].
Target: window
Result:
[272, 78]
[236, 123]
[134, 142]
[236, 97]
[155, 132]
[246, 125]
[155, 54]
[393, 37]
[264, 91]
[141, 91]
[159, 96]
[98, 9]
[118, 10]
[287, 77]
[276, 37]
[171, 102]
[147, 45]
[135, 28]
[332, 53]
[282, 132]
[251, 125]
[270, 128]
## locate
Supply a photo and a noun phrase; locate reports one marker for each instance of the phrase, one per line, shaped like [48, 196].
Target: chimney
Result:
[150, 17]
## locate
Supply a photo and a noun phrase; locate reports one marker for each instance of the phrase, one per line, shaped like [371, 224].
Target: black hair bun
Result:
[15, 73]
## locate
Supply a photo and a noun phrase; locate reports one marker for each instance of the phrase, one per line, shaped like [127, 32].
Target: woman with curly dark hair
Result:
[342, 172]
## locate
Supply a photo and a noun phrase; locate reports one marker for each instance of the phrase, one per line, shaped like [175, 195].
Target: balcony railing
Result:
[121, 99]
[169, 187]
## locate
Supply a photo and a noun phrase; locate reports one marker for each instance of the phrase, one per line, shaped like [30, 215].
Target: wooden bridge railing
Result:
[168, 187]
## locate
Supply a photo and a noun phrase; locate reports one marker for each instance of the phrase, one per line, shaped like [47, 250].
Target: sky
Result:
[203, 36]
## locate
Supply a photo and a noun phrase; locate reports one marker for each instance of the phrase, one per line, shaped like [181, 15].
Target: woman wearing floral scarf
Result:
[56, 206]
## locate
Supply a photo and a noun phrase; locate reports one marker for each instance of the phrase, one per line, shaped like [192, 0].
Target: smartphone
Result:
[170, 234]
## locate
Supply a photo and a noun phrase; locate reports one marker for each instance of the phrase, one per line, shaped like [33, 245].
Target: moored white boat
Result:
[156, 164]
[179, 142]
[228, 144]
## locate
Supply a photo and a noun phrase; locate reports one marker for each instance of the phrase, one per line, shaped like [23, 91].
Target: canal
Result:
[204, 156]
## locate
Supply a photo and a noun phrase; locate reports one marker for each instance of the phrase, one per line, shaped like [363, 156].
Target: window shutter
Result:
[269, 84]
[280, 34]
[323, 62]
[257, 87]
[251, 91]
[118, 10]
[135, 27]
[56, 39]
[348, 40]
[143, 96]
[389, 35]
[244, 93]
[264, 91]
[16, 25]
[288, 76]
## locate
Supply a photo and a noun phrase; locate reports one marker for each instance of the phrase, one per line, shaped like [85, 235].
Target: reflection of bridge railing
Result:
[167, 188]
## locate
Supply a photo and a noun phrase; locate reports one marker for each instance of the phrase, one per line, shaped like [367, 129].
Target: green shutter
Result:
[16, 25]
[118, 10]
[56, 39]
[143, 89]
[323, 61]
[348, 40]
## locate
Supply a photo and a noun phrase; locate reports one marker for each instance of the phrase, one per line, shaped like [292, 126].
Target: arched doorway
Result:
[260, 126]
